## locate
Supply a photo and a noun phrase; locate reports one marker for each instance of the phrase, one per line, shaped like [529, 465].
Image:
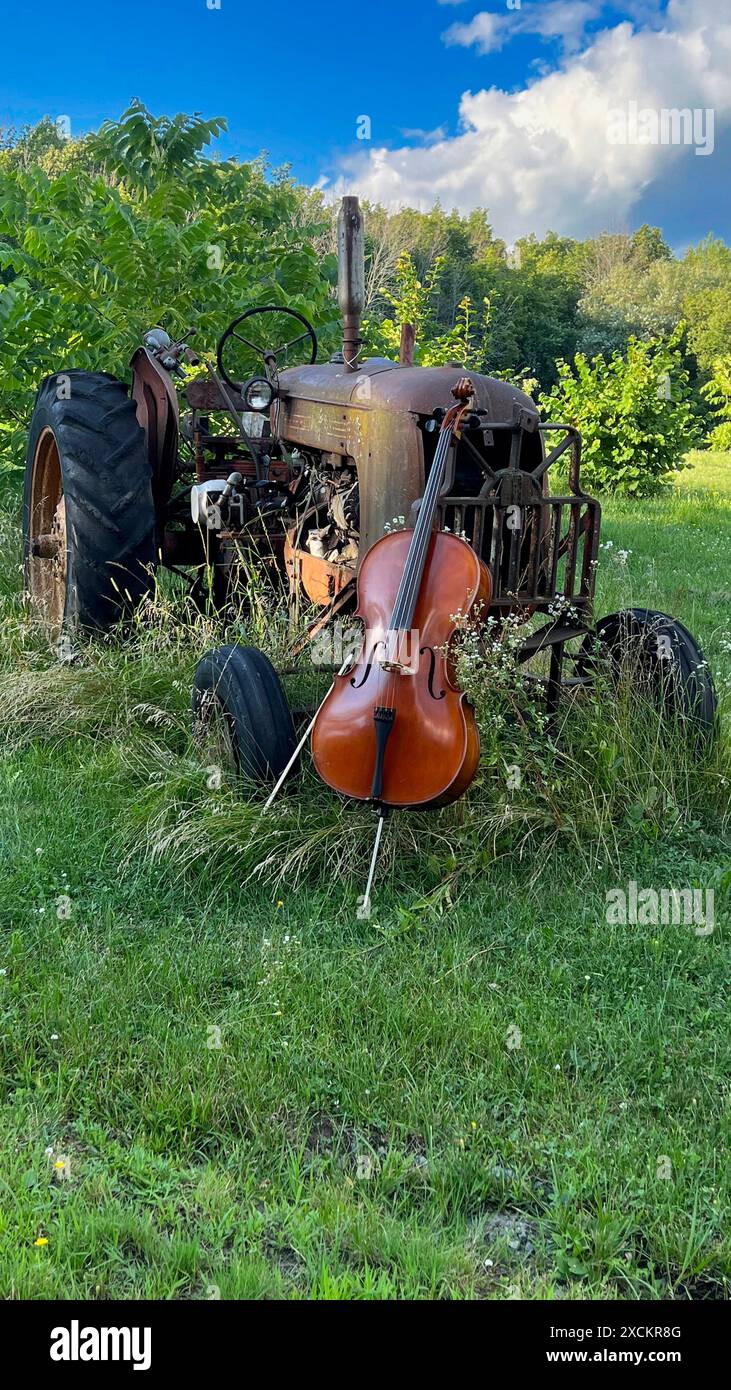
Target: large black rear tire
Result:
[240, 713]
[88, 512]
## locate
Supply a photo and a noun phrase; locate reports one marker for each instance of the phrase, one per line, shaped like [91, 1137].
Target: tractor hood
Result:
[379, 384]
[373, 416]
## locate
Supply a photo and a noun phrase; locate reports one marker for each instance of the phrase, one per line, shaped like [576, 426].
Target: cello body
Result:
[433, 746]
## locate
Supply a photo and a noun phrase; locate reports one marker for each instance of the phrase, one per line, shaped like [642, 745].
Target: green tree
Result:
[634, 413]
[146, 230]
[649, 245]
[534, 293]
[413, 301]
[717, 392]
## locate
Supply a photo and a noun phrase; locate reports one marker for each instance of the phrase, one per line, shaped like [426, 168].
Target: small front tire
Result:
[241, 716]
[664, 660]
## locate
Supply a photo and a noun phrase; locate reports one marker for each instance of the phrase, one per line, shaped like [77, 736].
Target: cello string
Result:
[421, 541]
[408, 591]
[410, 577]
[451, 434]
[413, 570]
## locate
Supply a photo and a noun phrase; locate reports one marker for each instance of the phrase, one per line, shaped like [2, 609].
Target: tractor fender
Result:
[158, 413]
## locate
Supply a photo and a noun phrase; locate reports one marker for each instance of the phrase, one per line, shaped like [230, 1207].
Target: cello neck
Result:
[408, 592]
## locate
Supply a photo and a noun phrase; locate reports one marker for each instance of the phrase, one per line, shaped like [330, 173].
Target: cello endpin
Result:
[364, 903]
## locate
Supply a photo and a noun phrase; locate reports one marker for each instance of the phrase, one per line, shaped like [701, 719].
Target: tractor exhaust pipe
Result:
[351, 278]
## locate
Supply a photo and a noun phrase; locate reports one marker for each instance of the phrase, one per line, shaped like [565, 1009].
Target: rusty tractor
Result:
[310, 461]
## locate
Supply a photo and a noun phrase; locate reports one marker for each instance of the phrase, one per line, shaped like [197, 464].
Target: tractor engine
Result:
[335, 534]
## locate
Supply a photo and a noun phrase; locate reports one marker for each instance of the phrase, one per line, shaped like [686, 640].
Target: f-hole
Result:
[432, 671]
[357, 685]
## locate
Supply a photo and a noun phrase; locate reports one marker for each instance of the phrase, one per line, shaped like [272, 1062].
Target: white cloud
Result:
[551, 19]
[539, 158]
[486, 30]
[425, 136]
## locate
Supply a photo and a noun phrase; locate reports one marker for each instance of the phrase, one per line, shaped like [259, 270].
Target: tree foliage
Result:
[414, 302]
[140, 224]
[717, 392]
[634, 413]
[141, 230]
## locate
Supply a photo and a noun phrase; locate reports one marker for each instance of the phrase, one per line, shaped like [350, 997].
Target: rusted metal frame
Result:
[571, 550]
[516, 442]
[517, 429]
[548, 636]
[572, 441]
[591, 548]
[586, 527]
[496, 546]
[536, 603]
[339, 601]
[516, 539]
[484, 465]
[557, 506]
[538, 523]
[537, 563]
[554, 638]
[478, 529]
[460, 506]
[565, 541]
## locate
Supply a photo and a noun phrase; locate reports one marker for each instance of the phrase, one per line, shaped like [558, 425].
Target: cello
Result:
[395, 730]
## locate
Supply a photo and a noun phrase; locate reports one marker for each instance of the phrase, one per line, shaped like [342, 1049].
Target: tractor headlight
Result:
[258, 394]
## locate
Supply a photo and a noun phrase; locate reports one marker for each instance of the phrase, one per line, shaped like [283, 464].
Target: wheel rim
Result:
[48, 547]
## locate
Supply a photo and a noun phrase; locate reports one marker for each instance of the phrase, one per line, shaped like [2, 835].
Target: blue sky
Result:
[498, 104]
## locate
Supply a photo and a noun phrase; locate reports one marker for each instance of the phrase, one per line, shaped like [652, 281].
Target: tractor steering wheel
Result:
[245, 354]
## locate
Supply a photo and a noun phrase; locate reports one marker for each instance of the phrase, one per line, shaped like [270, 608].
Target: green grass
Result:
[484, 1091]
[708, 472]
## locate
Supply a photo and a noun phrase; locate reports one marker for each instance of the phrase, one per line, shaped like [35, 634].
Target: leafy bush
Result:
[634, 413]
[415, 301]
[717, 392]
[136, 227]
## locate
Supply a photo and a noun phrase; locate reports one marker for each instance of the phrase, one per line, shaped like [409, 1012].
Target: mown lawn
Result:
[484, 1091]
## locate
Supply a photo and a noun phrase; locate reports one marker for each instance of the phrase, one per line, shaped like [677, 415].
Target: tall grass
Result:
[496, 1168]
[607, 771]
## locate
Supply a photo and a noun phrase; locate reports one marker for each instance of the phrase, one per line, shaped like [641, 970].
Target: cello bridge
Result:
[401, 652]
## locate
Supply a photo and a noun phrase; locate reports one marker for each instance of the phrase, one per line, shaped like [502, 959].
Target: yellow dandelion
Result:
[42, 1240]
